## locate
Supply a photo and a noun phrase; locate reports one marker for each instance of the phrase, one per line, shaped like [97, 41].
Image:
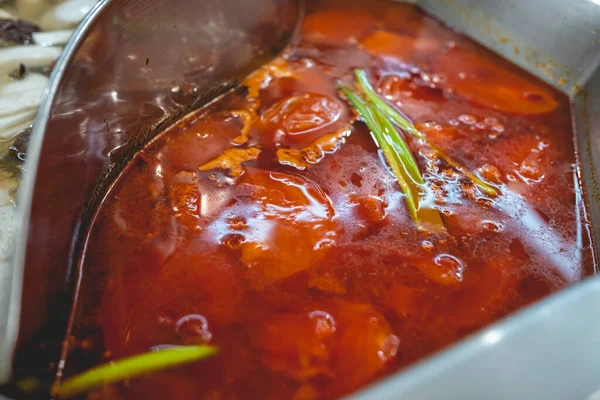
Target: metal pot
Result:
[135, 66]
[130, 69]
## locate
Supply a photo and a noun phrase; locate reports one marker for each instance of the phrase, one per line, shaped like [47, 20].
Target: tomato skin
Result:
[298, 120]
[291, 229]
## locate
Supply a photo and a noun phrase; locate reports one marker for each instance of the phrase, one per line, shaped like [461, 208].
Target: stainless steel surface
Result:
[132, 67]
[586, 109]
[557, 40]
[548, 351]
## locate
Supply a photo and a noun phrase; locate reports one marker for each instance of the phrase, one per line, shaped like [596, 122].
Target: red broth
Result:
[268, 223]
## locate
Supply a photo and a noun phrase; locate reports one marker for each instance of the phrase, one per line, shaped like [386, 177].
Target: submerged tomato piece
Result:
[482, 82]
[403, 47]
[284, 195]
[344, 343]
[369, 209]
[404, 89]
[337, 27]
[291, 230]
[444, 269]
[303, 113]
[365, 345]
[207, 132]
[304, 77]
[525, 157]
[298, 345]
[407, 302]
[299, 120]
[179, 304]
[451, 312]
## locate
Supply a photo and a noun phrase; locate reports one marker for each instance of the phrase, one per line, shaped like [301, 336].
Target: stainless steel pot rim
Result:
[524, 355]
[10, 298]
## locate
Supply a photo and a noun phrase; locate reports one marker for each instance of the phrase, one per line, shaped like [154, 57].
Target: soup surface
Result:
[269, 224]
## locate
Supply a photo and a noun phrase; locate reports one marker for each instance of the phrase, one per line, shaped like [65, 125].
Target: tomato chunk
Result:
[343, 343]
[482, 82]
[290, 230]
[298, 345]
[298, 120]
[365, 345]
[337, 27]
[403, 47]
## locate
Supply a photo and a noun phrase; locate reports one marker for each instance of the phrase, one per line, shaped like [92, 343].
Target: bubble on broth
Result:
[195, 327]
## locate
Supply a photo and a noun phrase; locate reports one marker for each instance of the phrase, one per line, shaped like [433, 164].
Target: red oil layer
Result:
[297, 257]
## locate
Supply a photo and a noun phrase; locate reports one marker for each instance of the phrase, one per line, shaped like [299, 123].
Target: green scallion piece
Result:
[480, 183]
[131, 367]
[399, 158]
[392, 157]
[407, 126]
[389, 111]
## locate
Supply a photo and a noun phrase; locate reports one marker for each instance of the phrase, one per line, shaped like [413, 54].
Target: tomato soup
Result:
[270, 223]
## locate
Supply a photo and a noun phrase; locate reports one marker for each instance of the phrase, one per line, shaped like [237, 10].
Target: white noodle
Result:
[15, 103]
[66, 15]
[11, 124]
[6, 216]
[31, 56]
[31, 81]
[52, 38]
[12, 133]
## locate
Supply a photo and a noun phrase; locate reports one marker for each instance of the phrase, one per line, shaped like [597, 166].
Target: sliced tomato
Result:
[405, 89]
[369, 209]
[529, 156]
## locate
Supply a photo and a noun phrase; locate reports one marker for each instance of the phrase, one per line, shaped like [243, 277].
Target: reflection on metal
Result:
[596, 394]
[132, 68]
[555, 40]
[137, 64]
[548, 351]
